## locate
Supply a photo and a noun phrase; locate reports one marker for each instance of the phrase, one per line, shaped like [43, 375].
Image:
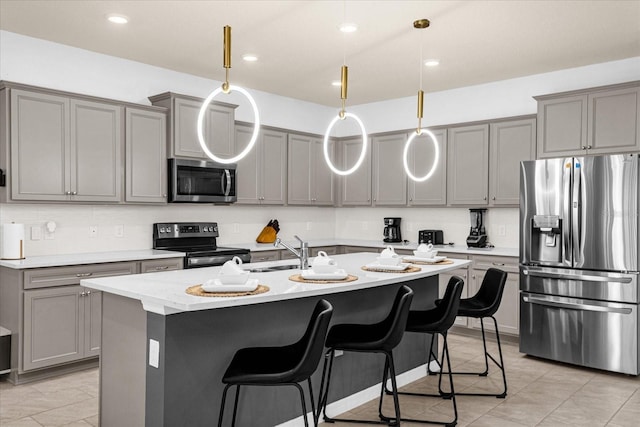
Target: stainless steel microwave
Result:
[200, 181]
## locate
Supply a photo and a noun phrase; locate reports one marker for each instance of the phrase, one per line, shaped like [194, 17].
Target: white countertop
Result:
[89, 258]
[460, 249]
[164, 293]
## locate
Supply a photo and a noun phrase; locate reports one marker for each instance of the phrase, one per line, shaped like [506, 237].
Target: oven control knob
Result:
[162, 230]
[210, 229]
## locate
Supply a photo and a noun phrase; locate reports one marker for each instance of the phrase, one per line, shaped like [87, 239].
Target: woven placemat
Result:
[410, 269]
[443, 262]
[197, 291]
[299, 278]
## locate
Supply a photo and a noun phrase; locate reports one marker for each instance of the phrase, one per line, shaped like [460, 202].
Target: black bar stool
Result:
[380, 337]
[434, 321]
[484, 304]
[287, 365]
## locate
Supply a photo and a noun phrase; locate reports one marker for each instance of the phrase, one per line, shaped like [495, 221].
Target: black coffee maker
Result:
[392, 230]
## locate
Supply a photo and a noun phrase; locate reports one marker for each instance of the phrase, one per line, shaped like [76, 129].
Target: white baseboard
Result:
[362, 397]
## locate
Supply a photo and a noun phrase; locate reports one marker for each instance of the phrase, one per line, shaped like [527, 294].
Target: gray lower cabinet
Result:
[604, 120]
[164, 264]
[508, 315]
[421, 159]
[218, 125]
[74, 144]
[329, 250]
[310, 181]
[468, 165]
[146, 156]
[510, 143]
[355, 189]
[262, 174]
[389, 179]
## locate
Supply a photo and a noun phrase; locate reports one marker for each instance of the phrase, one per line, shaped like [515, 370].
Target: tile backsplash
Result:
[125, 227]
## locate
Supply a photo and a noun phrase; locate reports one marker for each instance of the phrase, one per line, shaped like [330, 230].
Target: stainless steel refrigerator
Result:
[579, 251]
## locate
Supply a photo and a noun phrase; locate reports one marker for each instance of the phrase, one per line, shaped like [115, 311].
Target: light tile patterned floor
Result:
[540, 393]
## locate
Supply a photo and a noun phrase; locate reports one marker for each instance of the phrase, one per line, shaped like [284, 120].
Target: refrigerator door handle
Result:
[576, 213]
[580, 277]
[566, 214]
[574, 306]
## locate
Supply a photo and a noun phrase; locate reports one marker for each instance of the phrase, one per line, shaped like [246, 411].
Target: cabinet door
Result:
[329, 250]
[299, 170]
[562, 126]
[40, 141]
[52, 327]
[511, 142]
[323, 186]
[389, 179]
[92, 317]
[262, 256]
[433, 191]
[248, 172]
[273, 151]
[356, 187]
[468, 165]
[218, 126]
[146, 156]
[96, 150]
[614, 121]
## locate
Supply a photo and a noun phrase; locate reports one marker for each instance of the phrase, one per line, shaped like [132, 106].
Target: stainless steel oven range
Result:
[198, 241]
[579, 249]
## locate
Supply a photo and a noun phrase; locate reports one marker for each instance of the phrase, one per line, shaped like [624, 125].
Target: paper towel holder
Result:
[3, 180]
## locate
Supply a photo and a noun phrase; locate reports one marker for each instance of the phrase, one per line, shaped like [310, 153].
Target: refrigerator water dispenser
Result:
[546, 238]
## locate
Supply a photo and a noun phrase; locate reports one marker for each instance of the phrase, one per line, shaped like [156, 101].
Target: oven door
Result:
[592, 333]
[199, 181]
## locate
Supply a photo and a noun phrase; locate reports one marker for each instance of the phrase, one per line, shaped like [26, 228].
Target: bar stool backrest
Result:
[396, 321]
[449, 305]
[490, 293]
[310, 347]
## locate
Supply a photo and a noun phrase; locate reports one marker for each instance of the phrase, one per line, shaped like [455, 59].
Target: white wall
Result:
[41, 63]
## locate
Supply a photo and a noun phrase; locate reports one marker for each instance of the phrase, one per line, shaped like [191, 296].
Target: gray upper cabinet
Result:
[146, 156]
[75, 145]
[310, 180]
[389, 179]
[355, 189]
[510, 143]
[261, 174]
[433, 191]
[219, 126]
[468, 165]
[594, 121]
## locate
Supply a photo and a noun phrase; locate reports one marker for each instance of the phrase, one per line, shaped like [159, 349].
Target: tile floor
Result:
[540, 393]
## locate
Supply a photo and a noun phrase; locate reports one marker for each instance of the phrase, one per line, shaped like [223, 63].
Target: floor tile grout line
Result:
[622, 406]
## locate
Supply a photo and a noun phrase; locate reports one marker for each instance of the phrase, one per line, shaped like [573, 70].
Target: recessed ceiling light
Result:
[117, 19]
[431, 62]
[250, 57]
[348, 27]
[336, 83]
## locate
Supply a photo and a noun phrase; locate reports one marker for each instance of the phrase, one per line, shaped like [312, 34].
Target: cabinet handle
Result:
[83, 274]
[498, 264]
[484, 198]
[88, 293]
[164, 195]
[74, 193]
[588, 147]
[493, 198]
[82, 294]
[68, 193]
[161, 267]
[584, 147]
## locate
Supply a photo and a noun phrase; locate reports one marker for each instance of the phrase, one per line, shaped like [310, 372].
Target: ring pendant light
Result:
[343, 115]
[420, 24]
[228, 88]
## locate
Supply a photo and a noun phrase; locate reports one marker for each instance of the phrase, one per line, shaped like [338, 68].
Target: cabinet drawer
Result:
[71, 275]
[287, 255]
[263, 256]
[453, 255]
[152, 265]
[508, 264]
[330, 250]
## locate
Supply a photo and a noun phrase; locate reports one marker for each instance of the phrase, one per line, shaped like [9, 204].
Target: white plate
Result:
[214, 285]
[420, 259]
[335, 275]
[400, 267]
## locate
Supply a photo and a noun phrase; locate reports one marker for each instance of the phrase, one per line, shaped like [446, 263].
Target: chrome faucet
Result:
[302, 253]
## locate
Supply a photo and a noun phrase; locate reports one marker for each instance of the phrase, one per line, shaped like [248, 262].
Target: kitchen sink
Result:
[272, 268]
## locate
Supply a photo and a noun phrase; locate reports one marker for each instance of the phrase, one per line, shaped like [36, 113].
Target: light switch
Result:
[154, 353]
[36, 233]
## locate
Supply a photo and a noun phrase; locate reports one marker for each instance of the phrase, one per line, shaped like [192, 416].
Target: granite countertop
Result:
[511, 252]
[164, 293]
[89, 258]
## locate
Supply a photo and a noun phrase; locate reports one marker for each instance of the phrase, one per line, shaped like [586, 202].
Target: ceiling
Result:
[301, 49]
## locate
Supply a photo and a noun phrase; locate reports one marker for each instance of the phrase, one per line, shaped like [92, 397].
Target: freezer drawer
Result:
[596, 334]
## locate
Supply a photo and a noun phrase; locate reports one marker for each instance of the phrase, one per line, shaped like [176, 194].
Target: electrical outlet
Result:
[309, 226]
[36, 232]
[93, 231]
[502, 230]
[119, 230]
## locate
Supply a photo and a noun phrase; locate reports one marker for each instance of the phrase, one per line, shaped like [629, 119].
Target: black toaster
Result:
[434, 237]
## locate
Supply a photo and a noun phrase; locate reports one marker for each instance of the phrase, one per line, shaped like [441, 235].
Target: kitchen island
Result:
[164, 351]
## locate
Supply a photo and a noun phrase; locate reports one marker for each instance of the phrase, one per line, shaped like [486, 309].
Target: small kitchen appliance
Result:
[198, 241]
[392, 230]
[435, 237]
[477, 235]
[200, 181]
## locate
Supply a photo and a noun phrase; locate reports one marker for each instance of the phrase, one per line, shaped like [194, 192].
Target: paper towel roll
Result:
[13, 241]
